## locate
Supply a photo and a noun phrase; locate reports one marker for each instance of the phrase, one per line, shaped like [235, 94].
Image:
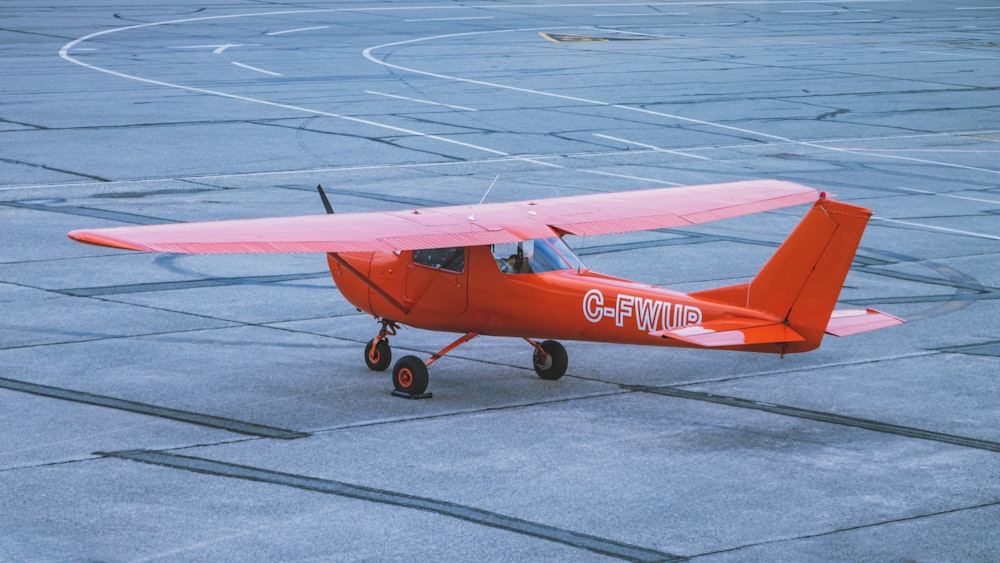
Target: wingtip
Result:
[97, 239]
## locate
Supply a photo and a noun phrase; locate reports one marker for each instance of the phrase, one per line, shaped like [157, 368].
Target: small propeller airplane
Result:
[503, 269]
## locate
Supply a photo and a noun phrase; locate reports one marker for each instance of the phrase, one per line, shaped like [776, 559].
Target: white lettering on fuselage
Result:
[650, 315]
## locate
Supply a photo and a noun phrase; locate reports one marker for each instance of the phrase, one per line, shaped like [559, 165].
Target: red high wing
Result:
[466, 225]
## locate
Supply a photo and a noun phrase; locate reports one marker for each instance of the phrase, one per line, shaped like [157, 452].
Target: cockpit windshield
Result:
[536, 256]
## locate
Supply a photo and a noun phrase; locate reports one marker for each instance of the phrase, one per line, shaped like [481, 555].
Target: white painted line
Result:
[217, 49]
[882, 154]
[449, 19]
[655, 148]
[953, 196]
[367, 53]
[255, 69]
[980, 8]
[64, 54]
[803, 143]
[212, 46]
[297, 30]
[649, 35]
[975, 134]
[627, 177]
[270, 173]
[970, 151]
[933, 228]
[462, 108]
[965, 197]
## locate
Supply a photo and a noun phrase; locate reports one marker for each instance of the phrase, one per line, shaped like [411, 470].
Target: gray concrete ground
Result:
[162, 407]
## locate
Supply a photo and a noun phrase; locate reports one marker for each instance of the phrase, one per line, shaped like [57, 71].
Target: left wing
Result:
[380, 232]
[465, 225]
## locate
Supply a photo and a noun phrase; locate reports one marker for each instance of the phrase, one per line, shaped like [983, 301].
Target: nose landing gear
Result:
[378, 355]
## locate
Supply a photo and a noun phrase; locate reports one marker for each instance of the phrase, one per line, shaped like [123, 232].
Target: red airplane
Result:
[503, 269]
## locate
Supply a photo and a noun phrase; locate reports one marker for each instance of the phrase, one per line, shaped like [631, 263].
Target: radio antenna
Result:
[472, 216]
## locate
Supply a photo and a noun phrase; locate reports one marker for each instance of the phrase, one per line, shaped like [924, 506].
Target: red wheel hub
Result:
[405, 377]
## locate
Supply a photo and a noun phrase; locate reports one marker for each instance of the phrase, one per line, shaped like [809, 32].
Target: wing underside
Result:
[592, 214]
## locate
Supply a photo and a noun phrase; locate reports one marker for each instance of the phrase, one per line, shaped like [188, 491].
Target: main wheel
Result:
[553, 363]
[409, 375]
[378, 355]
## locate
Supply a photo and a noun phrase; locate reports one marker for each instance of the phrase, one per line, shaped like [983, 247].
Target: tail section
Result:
[801, 282]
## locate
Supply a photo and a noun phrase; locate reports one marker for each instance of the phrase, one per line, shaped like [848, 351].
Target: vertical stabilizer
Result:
[801, 282]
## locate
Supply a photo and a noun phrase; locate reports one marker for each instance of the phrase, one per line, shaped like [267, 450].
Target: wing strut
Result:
[374, 287]
[347, 266]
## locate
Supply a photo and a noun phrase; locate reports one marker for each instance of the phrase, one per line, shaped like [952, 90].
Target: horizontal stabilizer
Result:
[733, 332]
[845, 322]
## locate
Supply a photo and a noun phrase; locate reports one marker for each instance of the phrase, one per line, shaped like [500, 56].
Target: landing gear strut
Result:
[410, 376]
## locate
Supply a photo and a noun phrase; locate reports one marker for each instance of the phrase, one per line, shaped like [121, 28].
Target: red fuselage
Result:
[569, 304]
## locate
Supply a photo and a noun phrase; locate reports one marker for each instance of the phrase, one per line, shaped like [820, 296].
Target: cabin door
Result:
[437, 279]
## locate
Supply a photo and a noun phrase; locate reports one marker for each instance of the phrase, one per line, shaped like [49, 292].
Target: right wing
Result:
[464, 225]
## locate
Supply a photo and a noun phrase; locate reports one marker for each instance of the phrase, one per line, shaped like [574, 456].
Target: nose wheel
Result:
[378, 355]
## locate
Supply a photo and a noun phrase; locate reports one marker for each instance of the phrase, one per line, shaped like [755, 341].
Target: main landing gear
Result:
[410, 377]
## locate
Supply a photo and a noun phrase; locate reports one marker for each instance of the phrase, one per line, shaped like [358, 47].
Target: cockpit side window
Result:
[535, 256]
[451, 259]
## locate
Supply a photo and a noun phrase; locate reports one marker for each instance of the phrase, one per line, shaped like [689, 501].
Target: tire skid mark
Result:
[237, 426]
[820, 416]
[443, 508]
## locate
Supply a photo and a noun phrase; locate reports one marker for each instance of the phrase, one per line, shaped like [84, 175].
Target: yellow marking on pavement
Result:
[571, 38]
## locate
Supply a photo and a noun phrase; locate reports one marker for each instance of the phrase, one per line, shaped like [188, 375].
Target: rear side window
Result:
[451, 259]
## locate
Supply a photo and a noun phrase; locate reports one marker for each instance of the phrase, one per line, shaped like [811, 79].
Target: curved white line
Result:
[367, 53]
[64, 53]
[298, 30]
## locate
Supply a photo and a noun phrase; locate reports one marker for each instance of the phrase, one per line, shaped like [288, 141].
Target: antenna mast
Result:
[472, 216]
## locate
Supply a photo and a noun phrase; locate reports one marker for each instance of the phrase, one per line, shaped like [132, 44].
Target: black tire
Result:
[378, 355]
[409, 375]
[554, 363]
